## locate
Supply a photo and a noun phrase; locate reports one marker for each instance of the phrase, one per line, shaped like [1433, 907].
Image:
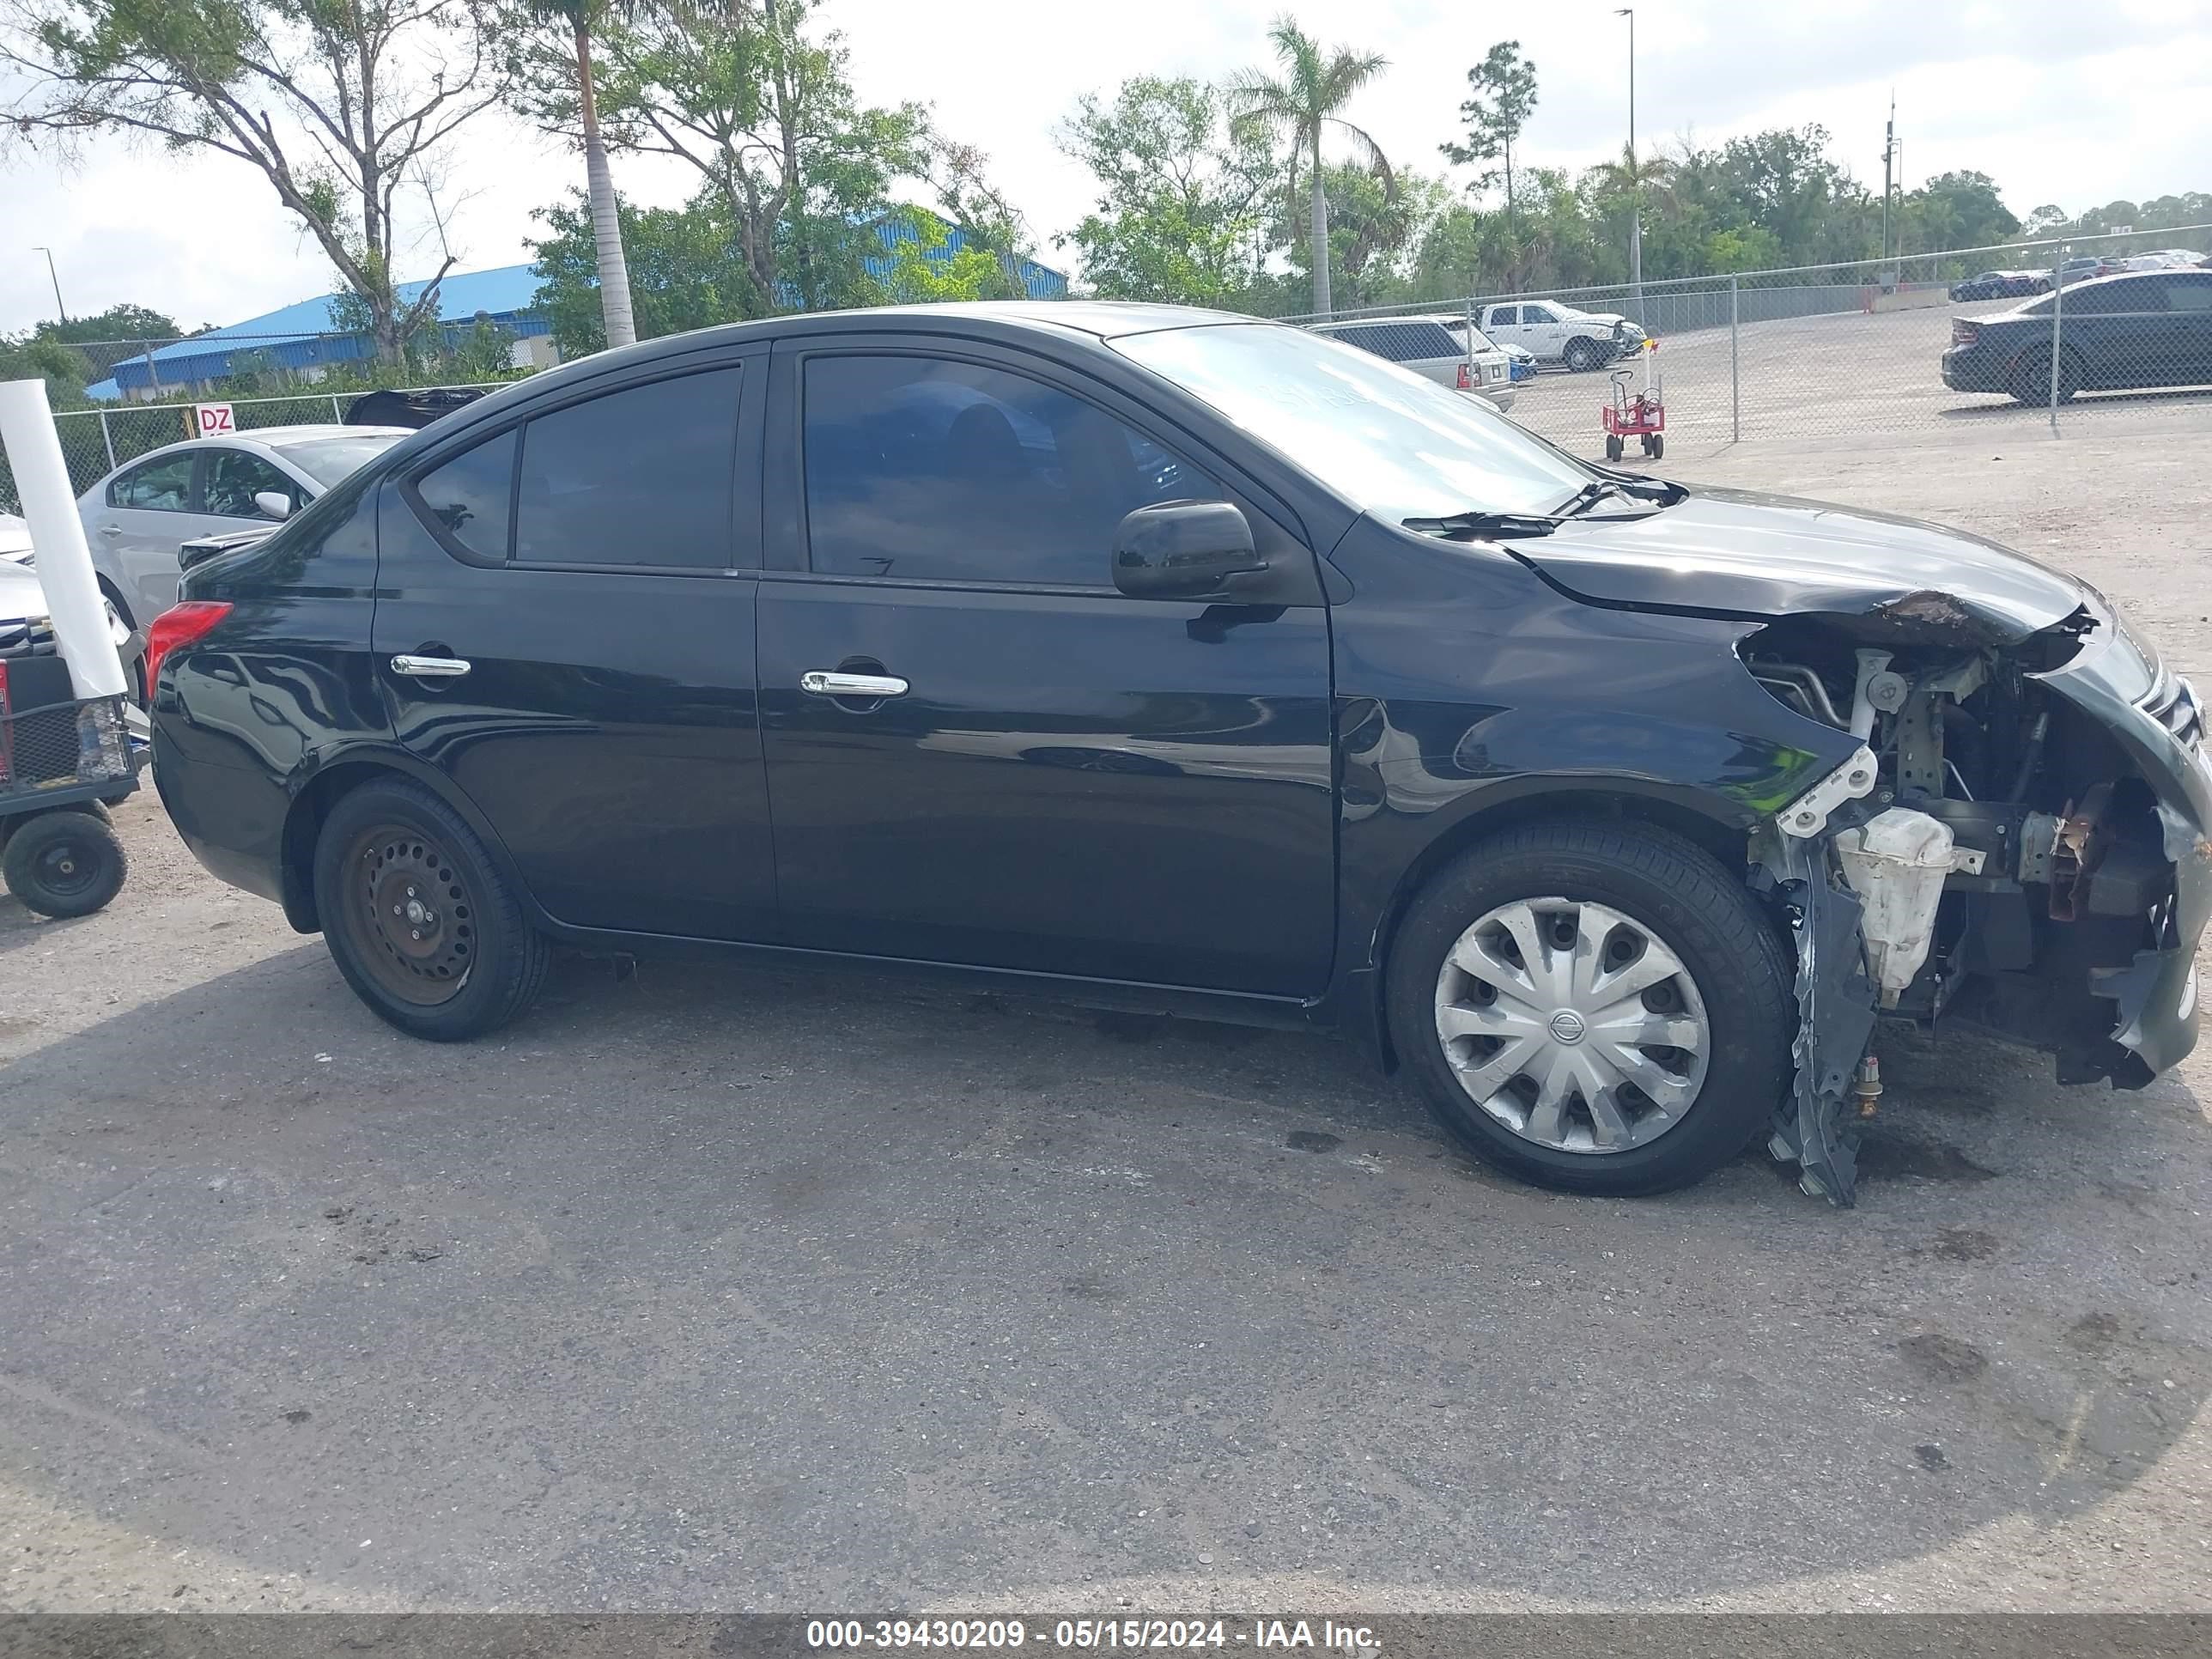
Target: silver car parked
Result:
[138, 515]
[1433, 351]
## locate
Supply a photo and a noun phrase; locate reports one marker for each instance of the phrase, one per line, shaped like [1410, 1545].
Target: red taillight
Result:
[1467, 377]
[1964, 332]
[180, 624]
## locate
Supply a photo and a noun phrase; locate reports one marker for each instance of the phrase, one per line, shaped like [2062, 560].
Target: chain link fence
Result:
[95, 442]
[2093, 332]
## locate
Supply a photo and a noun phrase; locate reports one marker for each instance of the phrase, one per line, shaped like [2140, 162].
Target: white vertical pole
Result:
[64, 562]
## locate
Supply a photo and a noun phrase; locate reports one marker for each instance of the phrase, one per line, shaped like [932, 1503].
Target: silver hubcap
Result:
[1573, 1025]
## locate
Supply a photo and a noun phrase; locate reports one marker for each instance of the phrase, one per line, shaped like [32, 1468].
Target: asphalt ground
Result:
[736, 1290]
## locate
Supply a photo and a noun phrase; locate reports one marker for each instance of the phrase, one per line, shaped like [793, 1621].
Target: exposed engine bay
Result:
[1997, 851]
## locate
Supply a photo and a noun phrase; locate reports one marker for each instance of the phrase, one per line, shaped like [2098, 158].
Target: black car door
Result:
[1029, 770]
[2119, 331]
[2189, 325]
[565, 629]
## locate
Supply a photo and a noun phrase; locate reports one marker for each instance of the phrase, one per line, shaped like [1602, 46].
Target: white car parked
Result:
[138, 517]
[1558, 333]
[1433, 351]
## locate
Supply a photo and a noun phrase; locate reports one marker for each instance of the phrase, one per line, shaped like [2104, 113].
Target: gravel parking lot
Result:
[1839, 381]
[726, 1289]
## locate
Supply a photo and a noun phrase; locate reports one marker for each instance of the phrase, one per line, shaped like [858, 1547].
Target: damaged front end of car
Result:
[2020, 840]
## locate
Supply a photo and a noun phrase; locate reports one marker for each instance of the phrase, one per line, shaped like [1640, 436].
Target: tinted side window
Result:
[163, 486]
[2106, 299]
[2189, 293]
[1362, 337]
[948, 472]
[1505, 317]
[642, 475]
[1537, 314]
[469, 497]
[234, 478]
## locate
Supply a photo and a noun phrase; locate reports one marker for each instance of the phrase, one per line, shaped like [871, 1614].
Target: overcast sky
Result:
[2071, 101]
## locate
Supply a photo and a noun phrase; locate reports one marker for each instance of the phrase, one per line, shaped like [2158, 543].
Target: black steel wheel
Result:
[1581, 355]
[65, 864]
[417, 918]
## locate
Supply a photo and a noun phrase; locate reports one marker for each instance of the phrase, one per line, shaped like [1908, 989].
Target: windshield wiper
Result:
[1484, 525]
[1590, 495]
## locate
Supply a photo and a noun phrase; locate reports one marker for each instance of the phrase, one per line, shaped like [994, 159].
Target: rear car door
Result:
[1055, 778]
[1503, 325]
[136, 525]
[2188, 327]
[2119, 330]
[565, 630]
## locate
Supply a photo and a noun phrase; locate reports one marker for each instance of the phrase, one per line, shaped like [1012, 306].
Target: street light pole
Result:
[1635, 175]
[55, 279]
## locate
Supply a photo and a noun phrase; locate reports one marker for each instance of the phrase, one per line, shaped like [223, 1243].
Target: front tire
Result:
[1581, 355]
[418, 920]
[1597, 1007]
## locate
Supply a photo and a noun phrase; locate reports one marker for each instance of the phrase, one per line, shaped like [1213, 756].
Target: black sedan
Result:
[2142, 329]
[2002, 285]
[1157, 656]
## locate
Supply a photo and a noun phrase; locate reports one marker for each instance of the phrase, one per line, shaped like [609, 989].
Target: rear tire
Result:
[2030, 377]
[1613, 448]
[1637, 899]
[65, 864]
[418, 918]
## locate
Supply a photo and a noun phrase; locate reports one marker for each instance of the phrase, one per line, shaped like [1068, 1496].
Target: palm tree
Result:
[579, 17]
[1297, 107]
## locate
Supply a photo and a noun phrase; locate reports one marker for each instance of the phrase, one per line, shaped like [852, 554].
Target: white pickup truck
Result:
[1558, 333]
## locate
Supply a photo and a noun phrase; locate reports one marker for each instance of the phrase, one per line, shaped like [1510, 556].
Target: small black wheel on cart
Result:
[65, 864]
[1655, 446]
[1613, 448]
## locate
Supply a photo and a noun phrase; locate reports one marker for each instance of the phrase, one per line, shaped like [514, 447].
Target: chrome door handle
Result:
[817, 682]
[111, 530]
[430, 668]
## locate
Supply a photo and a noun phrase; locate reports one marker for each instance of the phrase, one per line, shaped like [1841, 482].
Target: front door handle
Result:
[111, 530]
[430, 668]
[819, 682]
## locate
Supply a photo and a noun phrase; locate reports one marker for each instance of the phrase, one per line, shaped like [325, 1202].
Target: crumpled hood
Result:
[1734, 553]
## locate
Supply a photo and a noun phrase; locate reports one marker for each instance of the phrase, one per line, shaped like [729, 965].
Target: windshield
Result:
[1381, 436]
[328, 459]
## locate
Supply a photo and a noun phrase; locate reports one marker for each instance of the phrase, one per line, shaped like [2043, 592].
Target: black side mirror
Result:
[1182, 550]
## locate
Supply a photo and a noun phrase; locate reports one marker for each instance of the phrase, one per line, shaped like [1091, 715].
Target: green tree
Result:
[1955, 209]
[991, 225]
[1298, 108]
[1373, 234]
[123, 322]
[760, 104]
[917, 278]
[344, 106]
[685, 271]
[556, 74]
[60, 365]
[1185, 195]
[1501, 100]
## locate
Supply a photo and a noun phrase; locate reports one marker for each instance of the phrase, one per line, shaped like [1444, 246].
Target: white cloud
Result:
[2058, 101]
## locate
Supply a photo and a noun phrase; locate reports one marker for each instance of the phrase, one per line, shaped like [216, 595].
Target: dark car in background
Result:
[2002, 285]
[2135, 331]
[1157, 657]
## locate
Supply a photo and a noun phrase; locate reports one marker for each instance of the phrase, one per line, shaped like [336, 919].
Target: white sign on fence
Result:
[212, 421]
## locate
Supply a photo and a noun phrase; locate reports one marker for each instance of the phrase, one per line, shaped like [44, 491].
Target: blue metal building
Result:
[305, 337]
